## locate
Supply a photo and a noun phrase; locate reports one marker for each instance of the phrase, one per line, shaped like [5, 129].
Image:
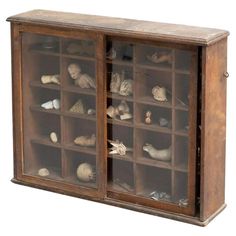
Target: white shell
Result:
[47, 79]
[47, 105]
[126, 116]
[53, 137]
[159, 94]
[161, 155]
[115, 82]
[91, 111]
[56, 104]
[111, 54]
[123, 107]
[126, 87]
[85, 172]
[43, 172]
[112, 112]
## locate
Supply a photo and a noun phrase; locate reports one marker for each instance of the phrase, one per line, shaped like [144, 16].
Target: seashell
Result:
[74, 71]
[53, 137]
[161, 155]
[86, 141]
[116, 80]
[91, 112]
[148, 117]
[47, 79]
[43, 172]
[159, 196]
[85, 81]
[47, 105]
[112, 112]
[56, 104]
[126, 116]
[126, 87]
[85, 172]
[160, 57]
[78, 107]
[159, 94]
[111, 54]
[123, 107]
[183, 202]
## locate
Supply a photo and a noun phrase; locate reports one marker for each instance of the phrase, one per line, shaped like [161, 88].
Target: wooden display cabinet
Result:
[165, 89]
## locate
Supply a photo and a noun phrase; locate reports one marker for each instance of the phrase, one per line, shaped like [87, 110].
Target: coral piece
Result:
[78, 107]
[161, 155]
[118, 148]
[86, 172]
[50, 79]
[86, 141]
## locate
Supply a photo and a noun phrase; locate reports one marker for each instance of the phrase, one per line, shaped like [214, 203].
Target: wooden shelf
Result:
[38, 108]
[79, 116]
[155, 163]
[38, 84]
[113, 187]
[77, 148]
[44, 140]
[76, 89]
[153, 127]
[127, 157]
[120, 122]
[120, 62]
[156, 67]
[84, 58]
[119, 97]
[181, 107]
[148, 100]
[44, 52]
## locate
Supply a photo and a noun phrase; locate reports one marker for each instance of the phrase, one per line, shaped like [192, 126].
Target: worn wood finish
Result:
[206, 77]
[214, 67]
[118, 26]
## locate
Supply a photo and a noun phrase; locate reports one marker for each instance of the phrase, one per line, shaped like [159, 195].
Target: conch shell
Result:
[86, 172]
[161, 155]
[86, 141]
[159, 94]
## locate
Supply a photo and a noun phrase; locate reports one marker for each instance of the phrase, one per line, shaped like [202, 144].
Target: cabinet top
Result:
[124, 27]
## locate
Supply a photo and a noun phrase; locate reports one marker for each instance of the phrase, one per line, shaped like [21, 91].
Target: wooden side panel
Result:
[214, 63]
[17, 98]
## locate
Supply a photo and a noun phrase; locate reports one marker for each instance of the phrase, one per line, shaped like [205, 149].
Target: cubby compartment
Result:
[79, 74]
[153, 146]
[79, 104]
[181, 152]
[78, 47]
[44, 99]
[152, 182]
[153, 117]
[80, 169]
[154, 56]
[120, 81]
[183, 60]
[119, 51]
[181, 188]
[182, 91]
[121, 134]
[85, 129]
[41, 43]
[154, 87]
[181, 121]
[43, 125]
[120, 176]
[46, 158]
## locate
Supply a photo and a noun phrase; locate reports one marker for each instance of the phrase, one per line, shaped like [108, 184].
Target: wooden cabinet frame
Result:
[206, 116]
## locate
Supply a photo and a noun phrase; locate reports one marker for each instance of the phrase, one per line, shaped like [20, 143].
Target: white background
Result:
[28, 211]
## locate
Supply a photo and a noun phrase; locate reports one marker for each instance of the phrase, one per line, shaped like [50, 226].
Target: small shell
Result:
[126, 116]
[43, 172]
[115, 82]
[85, 172]
[53, 137]
[86, 141]
[126, 87]
[112, 112]
[163, 122]
[91, 111]
[123, 107]
[56, 104]
[159, 94]
[47, 105]
[111, 54]
[47, 79]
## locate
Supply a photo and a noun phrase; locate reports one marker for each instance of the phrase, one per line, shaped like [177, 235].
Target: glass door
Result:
[151, 124]
[60, 109]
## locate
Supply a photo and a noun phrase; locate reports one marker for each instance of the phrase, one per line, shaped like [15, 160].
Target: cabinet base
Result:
[130, 206]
